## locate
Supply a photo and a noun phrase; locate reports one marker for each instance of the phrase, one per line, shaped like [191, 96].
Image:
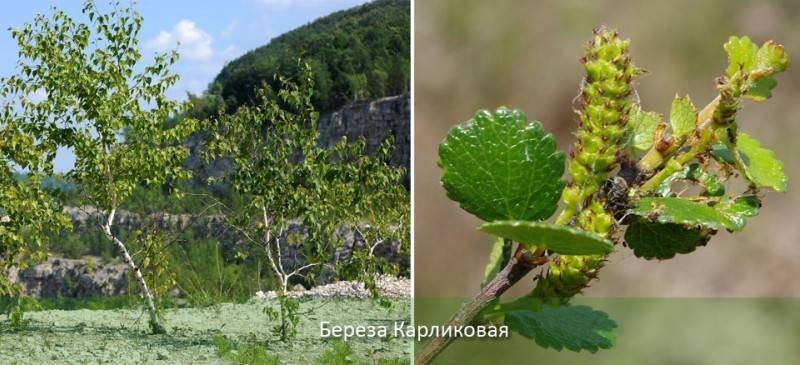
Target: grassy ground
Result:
[120, 336]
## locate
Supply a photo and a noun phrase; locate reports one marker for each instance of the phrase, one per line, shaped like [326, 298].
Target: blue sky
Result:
[211, 33]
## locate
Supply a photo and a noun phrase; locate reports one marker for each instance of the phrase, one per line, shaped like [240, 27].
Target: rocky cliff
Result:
[73, 278]
[374, 120]
[91, 276]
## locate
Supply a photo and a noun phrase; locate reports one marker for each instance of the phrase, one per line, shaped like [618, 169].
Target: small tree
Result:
[104, 105]
[383, 218]
[279, 165]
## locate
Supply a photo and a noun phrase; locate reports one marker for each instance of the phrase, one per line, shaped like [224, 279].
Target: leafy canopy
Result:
[286, 175]
[355, 54]
[27, 211]
[97, 101]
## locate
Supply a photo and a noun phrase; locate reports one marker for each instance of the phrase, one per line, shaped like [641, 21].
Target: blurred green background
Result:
[668, 331]
[472, 54]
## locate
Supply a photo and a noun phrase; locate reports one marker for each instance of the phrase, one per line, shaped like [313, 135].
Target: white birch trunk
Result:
[151, 307]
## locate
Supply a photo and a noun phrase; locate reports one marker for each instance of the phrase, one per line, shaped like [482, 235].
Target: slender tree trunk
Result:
[275, 263]
[520, 265]
[155, 324]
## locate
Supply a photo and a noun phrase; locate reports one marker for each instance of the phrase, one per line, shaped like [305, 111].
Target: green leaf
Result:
[772, 55]
[650, 240]
[741, 54]
[573, 327]
[740, 208]
[761, 89]
[762, 168]
[559, 239]
[499, 256]
[695, 173]
[644, 126]
[499, 166]
[682, 117]
[768, 60]
[710, 183]
[682, 211]
[723, 215]
[722, 154]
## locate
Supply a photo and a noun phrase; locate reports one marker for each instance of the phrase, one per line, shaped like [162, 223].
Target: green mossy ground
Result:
[120, 336]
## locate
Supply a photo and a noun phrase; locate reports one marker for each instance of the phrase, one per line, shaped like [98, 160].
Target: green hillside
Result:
[356, 54]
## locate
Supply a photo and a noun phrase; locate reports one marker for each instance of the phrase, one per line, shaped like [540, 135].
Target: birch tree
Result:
[279, 165]
[106, 105]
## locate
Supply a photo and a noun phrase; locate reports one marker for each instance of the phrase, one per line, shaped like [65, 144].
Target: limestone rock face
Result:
[374, 120]
[90, 276]
[72, 278]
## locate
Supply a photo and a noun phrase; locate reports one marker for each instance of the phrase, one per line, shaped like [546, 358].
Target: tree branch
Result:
[520, 265]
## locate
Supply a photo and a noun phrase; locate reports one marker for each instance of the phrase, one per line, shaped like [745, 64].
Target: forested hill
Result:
[356, 54]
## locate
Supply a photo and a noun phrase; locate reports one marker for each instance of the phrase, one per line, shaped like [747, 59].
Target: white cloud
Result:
[193, 43]
[195, 76]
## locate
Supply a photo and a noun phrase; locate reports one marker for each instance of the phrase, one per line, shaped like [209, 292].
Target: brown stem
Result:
[520, 265]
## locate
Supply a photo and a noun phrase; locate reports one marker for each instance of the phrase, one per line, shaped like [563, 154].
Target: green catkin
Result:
[601, 138]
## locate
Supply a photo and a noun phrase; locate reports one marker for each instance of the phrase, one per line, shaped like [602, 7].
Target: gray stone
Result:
[73, 278]
[374, 120]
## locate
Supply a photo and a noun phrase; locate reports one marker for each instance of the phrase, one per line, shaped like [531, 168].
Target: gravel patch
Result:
[389, 287]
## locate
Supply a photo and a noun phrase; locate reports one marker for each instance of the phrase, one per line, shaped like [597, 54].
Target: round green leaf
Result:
[559, 239]
[499, 166]
[650, 240]
[573, 327]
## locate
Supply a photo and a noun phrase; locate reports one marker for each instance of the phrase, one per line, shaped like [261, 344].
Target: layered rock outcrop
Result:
[72, 278]
[91, 276]
[374, 121]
